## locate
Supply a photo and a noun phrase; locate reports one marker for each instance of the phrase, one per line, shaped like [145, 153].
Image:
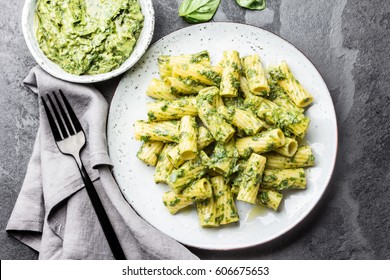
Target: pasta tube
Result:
[251, 178]
[174, 202]
[199, 190]
[234, 102]
[156, 131]
[243, 120]
[292, 121]
[218, 101]
[216, 124]
[226, 208]
[159, 90]
[171, 110]
[190, 171]
[234, 189]
[203, 140]
[284, 179]
[230, 80]
[150, 151]
[253, 103]
[224, 158]
[183, 86]
[175, 158]
[164, 166]
[303, 158]
[279, 97]
[238, 172]
[244, 87]
[188, 146]
[298, 94]
[269, 198]
[165, 62]
[207, 212]
[261, 143]
[289, 148]
[255, 75]
[202, 74]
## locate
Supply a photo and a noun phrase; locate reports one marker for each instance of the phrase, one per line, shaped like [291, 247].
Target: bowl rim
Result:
[148, 13]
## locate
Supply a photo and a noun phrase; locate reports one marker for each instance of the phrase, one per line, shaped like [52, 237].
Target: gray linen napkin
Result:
[53, 214]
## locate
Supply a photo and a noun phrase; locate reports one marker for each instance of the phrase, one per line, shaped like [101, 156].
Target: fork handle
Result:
[108, 230]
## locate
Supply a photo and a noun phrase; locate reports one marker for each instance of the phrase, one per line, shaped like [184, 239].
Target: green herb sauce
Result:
[88, 36]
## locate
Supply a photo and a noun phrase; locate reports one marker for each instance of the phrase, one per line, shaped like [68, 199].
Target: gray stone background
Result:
[347, 40]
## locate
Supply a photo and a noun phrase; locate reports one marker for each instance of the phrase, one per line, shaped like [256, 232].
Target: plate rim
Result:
[309, 210]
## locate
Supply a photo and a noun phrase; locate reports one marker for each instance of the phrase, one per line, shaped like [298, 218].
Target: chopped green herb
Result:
[145, 138]
[151, 116]
[174, 202]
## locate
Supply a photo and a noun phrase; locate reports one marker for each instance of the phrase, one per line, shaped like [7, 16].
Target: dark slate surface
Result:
[347, 40]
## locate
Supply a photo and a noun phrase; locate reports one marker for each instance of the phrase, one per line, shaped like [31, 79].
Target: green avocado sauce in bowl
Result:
[88, 36]
[87, 41]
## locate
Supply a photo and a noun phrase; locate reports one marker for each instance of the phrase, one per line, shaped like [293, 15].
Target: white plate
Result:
[257, 225]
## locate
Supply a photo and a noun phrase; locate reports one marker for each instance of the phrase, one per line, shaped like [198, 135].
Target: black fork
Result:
[70, 139]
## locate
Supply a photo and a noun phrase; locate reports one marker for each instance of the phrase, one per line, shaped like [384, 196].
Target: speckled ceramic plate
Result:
[257, 225]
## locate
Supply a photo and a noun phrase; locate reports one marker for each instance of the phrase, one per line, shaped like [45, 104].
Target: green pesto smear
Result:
[87, 37]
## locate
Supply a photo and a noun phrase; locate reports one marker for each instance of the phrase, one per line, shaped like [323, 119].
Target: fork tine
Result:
[59, 120]
[65, 116]
[72, 115]
[53, 125]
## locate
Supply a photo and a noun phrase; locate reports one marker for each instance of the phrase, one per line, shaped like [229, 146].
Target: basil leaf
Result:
[196, 11]
[252, 4]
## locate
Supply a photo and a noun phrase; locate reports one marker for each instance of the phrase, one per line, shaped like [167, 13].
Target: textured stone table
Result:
[348, 41]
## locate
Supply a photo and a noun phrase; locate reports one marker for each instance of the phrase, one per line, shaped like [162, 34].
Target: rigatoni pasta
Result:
[226, 210]
[287, 120]
[224, 158]
[217, 125]
[150, 152]
[230, 80]
[252, 177]
[180, 86]
[284, 179]
[204, 139]
[174, 202]
[269, 198]
[298, 94]
[255, 75]
[304, 157]
[202, 74]
[166, 62]
[188, 146]
[190, 171]
[171, 110]
[156, 131]
[243, 120]
[289, 148]
[234, 136]
[261, 143]
[199, 190]
[157, 89]
[207, 212]
[164, 166]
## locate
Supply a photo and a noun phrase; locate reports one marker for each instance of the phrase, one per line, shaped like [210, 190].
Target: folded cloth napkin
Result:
[53, 213]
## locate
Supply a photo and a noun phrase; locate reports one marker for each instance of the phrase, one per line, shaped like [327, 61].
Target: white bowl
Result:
[55, 70]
